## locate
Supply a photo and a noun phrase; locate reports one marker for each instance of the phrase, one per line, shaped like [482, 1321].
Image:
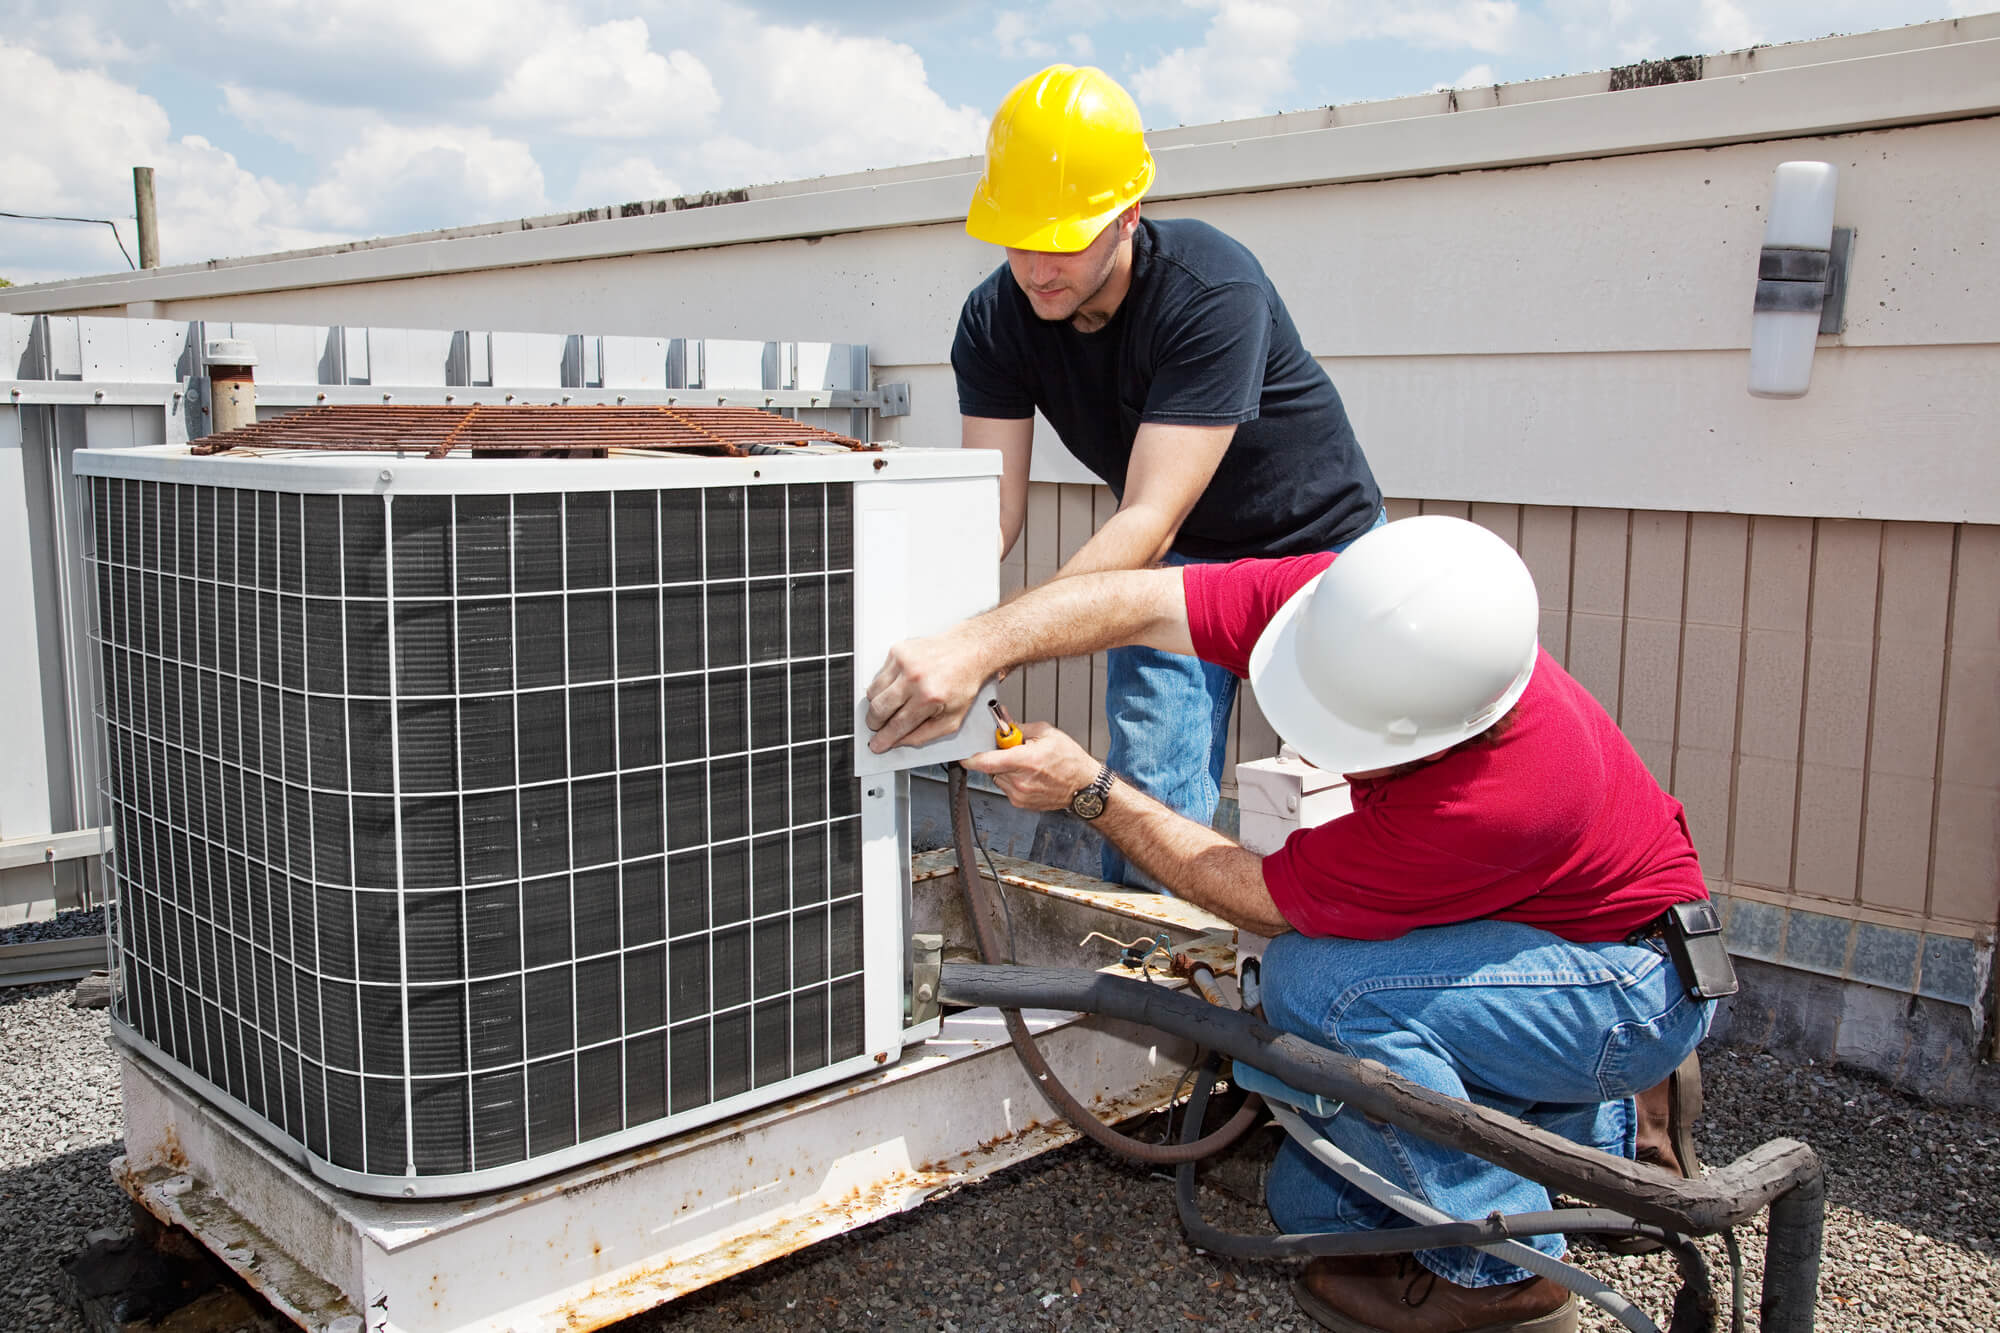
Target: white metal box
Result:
[478, 818]
[1276, 797]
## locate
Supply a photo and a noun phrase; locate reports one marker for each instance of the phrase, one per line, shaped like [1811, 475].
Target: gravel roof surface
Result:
[1079, 1240]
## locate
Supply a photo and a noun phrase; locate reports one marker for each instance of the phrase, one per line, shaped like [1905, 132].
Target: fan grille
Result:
[453, 831]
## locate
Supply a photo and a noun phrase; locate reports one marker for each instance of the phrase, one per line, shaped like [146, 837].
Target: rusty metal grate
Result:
[527, 431]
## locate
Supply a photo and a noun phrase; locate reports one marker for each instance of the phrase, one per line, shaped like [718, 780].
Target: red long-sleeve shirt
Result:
[1557, 824]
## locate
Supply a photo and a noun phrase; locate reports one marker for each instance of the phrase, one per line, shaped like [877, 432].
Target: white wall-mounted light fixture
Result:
[1801, 279]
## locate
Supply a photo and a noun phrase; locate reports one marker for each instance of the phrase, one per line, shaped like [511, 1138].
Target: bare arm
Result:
[926, 685]
[1170, 468]
[1197, 863]
[1015, 441]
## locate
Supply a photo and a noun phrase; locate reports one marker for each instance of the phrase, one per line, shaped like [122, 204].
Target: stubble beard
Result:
[1070, 313]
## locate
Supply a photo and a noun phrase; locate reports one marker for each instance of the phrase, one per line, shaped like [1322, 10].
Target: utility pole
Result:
[149, 223]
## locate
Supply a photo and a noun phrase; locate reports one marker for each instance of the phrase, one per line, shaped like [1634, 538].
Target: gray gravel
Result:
[60, 1126]
[1079, 1240]
[62, 926]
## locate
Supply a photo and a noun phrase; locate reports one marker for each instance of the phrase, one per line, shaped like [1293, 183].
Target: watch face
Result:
[1087, 804]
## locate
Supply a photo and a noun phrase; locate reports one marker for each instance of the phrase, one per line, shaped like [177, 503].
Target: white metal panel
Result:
[130, 349]
[355, 356]
[122, 428]
[634, 363]
[732, 363]
[815, 362]
[920, 568]
[15, 331]
[533, 360]
[1886, 433]
[407, 356]
[24, 779]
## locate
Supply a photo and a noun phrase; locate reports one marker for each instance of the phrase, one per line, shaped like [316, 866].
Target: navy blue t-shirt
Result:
[1201, 339]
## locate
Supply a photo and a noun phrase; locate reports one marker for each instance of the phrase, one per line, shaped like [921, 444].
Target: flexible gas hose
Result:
[979, 910]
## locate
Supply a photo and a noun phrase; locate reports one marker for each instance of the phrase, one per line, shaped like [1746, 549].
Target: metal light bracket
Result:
[1802, 280]
[926, 964]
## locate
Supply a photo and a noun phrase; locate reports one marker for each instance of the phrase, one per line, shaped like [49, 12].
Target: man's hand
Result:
[924, 688]
[1041, 773]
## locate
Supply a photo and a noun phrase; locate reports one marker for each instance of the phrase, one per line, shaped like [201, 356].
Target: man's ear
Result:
[1128, 222]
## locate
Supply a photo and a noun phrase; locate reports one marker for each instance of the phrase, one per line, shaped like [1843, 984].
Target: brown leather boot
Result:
[1381, 1293]
[1667, 1112]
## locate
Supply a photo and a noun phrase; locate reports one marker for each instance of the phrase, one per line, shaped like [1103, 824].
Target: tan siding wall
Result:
[1823, 695]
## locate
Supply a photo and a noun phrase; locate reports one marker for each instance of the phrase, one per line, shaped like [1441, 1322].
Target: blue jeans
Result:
[1560, 1035]
[1169, 722]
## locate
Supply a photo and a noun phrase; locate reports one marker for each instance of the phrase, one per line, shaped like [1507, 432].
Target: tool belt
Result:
[1692, 936]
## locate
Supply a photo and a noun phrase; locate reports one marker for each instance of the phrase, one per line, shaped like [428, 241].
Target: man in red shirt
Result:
[1466, 925]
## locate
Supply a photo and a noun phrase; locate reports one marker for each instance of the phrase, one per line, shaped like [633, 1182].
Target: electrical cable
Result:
[59, 217]
[979, 910]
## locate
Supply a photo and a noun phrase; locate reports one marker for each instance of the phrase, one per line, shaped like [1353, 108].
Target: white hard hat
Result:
[1419, 636]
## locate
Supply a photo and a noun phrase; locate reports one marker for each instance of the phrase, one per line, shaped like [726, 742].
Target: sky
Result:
[280, 124]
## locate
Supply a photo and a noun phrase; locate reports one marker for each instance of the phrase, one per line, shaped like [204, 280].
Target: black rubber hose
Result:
[1394, 1240]
[1782, 1169]
[1695, 1306]
[979, 909]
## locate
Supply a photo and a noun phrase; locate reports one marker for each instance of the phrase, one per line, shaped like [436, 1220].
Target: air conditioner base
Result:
[600, 1243]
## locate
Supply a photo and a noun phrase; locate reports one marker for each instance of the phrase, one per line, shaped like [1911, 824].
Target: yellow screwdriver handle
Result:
[1005, 734]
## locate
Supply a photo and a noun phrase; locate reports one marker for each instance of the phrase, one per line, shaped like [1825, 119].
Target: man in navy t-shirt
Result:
[1167, 363]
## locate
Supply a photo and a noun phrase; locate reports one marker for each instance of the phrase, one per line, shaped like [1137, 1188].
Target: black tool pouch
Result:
[1692, 933]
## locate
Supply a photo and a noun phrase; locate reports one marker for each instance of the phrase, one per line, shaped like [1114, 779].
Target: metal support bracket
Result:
[1796, 280]
[894, 400]
[926, 965]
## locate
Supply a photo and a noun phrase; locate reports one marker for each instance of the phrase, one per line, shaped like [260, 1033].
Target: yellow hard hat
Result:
[1064, 156]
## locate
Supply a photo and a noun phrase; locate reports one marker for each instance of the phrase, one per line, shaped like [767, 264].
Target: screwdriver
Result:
[1005, 734]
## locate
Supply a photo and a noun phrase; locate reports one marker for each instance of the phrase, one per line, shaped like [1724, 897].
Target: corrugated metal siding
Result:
[1822, 694]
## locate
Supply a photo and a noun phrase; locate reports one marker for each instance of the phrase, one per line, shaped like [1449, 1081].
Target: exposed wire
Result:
[59, 217]
[999, 890]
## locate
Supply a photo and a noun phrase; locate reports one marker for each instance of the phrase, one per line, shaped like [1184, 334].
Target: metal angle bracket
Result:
[894, 399]
[1838, 255]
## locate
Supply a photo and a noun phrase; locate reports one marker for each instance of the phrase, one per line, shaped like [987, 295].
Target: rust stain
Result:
[1138, 905]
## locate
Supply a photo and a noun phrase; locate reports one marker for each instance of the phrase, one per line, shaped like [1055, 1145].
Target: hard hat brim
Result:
[986, 220]
[1327, 741]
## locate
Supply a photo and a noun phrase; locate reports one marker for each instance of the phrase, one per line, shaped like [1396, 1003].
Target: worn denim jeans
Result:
[1169, 721]
[1558, 1034]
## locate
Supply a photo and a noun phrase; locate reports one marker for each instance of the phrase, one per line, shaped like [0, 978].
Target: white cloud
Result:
[360, 38]
[1018, 35]
[1479, 76]
[80, 162]
[1723, 26]
[311, 127]
[623, 180]
[1242, 65]
[607, 82]
[826, 103]
[396, 179]
[1480, 25]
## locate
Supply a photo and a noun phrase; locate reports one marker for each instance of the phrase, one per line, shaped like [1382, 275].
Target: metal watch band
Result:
[1088, 802]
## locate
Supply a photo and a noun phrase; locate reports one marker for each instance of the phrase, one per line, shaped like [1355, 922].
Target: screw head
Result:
[386, 475]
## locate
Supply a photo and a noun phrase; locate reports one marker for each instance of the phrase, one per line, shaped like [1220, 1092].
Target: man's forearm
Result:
[1070, 617]
[1130, 539]
[1193, 862]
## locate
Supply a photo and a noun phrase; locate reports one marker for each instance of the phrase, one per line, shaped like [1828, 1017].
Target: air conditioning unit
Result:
[479, 817]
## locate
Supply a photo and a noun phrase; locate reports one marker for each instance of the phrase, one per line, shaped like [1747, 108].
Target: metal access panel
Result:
[475, 819]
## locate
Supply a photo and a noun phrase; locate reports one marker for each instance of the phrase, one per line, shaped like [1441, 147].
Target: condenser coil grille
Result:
[454, 831]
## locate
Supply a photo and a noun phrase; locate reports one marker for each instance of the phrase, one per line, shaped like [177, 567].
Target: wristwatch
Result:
[1088, 803]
